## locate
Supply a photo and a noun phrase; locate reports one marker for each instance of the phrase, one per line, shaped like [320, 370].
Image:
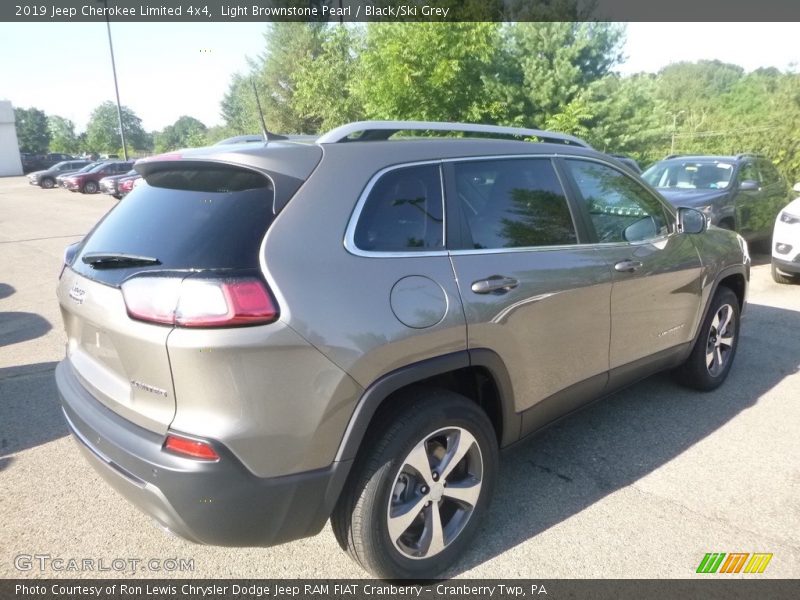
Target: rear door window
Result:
[210, 218]
[513, 203]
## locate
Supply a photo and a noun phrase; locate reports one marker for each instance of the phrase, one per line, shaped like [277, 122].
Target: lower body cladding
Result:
[210, 502]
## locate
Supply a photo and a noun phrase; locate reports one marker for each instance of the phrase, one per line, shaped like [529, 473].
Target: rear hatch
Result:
[196, 221]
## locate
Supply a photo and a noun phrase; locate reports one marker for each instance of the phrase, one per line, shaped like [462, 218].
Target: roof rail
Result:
[673, 156]
[383, 130]
[747, 154]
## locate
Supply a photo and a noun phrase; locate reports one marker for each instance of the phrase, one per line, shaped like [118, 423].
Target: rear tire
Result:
[712, 356]
[420, 487]
[779, 277]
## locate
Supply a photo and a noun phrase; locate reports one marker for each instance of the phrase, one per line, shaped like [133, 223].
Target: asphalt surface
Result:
[642, 484]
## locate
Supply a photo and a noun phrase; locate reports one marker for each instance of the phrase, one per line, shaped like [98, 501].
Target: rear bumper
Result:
[220, 503]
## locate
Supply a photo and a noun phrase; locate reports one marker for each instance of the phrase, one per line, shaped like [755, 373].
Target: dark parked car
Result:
[88, 182]
[250, 353]
[47, 178]
[743, 193]
[41, 162]
[628, 162]
[110, 185]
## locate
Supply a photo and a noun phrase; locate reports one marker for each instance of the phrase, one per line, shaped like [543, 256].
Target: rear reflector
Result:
[193, 302]
[190, 448]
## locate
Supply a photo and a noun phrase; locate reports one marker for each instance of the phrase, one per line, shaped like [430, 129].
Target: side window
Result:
[513, 203]
[748, 172]
[620, 209]
[769, 174]
[403, 212]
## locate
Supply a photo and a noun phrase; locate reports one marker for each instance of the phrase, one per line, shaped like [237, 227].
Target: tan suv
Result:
[264, 336]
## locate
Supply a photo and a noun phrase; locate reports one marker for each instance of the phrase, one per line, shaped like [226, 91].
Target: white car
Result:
[786, 242]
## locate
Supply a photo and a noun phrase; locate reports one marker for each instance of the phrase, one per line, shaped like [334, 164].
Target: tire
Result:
[779, 277]
[47, 183]
[90, 187]
[712, 356]
[431, 424]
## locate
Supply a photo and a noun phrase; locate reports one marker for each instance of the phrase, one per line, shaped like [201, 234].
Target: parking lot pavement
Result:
[642, 484]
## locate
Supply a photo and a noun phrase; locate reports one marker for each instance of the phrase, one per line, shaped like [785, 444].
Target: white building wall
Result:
[9, 147]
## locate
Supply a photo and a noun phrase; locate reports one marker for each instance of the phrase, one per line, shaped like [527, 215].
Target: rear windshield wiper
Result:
[104, 260]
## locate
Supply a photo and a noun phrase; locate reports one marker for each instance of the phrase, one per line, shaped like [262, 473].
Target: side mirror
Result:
[748, 185]
[691, 221]
[796, 187]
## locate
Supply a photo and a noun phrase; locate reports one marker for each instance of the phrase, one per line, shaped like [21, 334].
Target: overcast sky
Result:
[171, 69]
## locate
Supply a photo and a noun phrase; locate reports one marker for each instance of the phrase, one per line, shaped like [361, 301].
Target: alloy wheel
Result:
[720, 340]
[435, 492]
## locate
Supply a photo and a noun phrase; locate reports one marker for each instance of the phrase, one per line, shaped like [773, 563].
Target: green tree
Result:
[323, 91]
[32, 132]
[427, 71]
[186, 132]
[627, 117]
[62, 135]
[289, 47]
[102, 132]
[545, 66]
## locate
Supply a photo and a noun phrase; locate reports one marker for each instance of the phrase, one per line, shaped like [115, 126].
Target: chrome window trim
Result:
[349, 236]
[591, 246]
[349, 239]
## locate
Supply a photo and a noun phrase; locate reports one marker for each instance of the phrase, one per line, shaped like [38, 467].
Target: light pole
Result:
[116, 86]
[674, 128]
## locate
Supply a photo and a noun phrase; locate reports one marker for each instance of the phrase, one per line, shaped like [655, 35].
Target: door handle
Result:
[495, 283]
[627, 266]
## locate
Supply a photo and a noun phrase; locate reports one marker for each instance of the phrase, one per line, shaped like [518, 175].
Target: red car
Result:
[89, 182]
[126, 185]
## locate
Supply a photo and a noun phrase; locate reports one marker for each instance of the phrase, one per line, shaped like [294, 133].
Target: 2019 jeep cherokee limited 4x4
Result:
[264, 336]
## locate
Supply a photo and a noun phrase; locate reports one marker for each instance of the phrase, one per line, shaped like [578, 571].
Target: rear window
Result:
[187, 218]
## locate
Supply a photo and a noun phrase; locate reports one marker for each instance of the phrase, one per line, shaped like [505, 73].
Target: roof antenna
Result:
[268, 137]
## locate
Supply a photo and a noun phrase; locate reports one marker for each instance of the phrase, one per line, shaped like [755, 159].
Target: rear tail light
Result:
[199, 302]
[190, 448]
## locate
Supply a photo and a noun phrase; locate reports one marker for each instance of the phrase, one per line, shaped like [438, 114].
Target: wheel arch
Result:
[478, 374]
[735, 279]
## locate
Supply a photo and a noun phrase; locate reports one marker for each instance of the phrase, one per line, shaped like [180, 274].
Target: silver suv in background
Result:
[265, 336]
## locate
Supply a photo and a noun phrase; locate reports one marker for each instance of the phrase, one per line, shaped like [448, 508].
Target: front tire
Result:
[712, 356]
[779, 277]
[420, 488]
[90, 187]
[47, 183]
